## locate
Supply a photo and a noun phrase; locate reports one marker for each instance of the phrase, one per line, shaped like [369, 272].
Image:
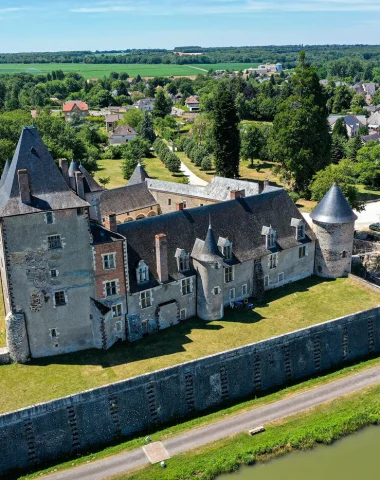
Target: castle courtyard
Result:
[297, 305]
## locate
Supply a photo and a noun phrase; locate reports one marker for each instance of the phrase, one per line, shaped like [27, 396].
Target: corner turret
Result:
[333, 224]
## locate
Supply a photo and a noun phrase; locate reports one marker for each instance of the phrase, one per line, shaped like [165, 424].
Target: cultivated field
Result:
[286, 309]
[101, 70]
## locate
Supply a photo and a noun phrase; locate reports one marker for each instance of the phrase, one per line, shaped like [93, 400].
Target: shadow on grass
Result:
[371, 195]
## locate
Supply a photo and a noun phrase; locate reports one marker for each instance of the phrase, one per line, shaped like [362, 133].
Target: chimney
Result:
[64, 166]
[110, 222]
[162, 257]
[23, 183]
[237, 194]
[266, 183]
[179, 206]
[80, 184]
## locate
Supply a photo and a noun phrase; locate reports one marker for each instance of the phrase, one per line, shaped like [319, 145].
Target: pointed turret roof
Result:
[48, 188]
[208, 250]
[74, 167]
[333, 208]
[138, 176]
[90, 184]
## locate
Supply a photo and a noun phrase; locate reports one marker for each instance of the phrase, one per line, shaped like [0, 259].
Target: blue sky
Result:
[49, 25]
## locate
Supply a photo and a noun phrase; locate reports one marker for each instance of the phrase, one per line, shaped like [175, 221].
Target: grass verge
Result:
[207, 418]
[321, 425]
[306, 302]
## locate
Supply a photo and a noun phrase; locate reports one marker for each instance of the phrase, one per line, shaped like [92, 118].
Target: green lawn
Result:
[367, 194]
[306, 302]
[153, 165]
[101, 70]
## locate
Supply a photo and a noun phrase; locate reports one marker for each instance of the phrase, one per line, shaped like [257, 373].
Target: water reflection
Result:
[352, 458]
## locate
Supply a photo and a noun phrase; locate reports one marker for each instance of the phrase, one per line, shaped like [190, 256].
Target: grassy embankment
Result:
[89, 70]
[209, 418]
[321, 425]
[286, 309]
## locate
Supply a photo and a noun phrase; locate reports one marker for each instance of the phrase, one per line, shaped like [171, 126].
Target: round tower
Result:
[208, 261]
[333, 225]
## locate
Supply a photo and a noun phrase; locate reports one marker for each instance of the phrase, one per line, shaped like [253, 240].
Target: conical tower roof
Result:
[139, 175]
[74, 167]
[210, 251]
[333, 208]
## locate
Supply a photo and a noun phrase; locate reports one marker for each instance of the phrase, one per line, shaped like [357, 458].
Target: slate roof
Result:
[375, 137]
[126, 199]
[5, 172]
[90, 184]
[218, 189]
[207, 250]
[239, 220]
[333, 208]
[374, 119]
[48, 188]
[123, 130]
[102, 235]
[139, 175]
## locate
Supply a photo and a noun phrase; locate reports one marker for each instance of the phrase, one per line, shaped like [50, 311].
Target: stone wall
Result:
[70, 425]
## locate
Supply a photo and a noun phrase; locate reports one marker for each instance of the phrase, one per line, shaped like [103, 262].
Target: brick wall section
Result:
[172, 393]
[117, 273]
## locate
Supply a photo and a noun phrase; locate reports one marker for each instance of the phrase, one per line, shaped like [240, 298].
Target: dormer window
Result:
[142, 272]
[270, 237]
[183, 260]
[225, 246]
[299, 225]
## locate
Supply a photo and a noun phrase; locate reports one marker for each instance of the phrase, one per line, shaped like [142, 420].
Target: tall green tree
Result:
[340, 128]
[162, 104]
[300, 139]
[225, 133]
[146, 128]
[251, 142]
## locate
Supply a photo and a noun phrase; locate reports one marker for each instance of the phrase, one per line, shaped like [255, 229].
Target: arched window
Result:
[142, 272]
[344, 254]
[152, 213]
[140, 217]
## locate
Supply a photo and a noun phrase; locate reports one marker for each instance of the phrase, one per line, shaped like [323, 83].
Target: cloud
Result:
[12, 9]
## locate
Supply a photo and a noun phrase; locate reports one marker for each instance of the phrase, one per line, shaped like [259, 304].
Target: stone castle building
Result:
[77, 273]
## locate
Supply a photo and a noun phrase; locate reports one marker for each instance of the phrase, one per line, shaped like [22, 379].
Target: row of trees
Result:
[168, 158]
[197, 153]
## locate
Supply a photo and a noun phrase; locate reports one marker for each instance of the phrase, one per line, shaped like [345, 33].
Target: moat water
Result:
[353, 457]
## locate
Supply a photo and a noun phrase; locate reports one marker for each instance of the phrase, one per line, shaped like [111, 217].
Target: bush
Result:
[294, 196]
[206, 163]
[173, 163]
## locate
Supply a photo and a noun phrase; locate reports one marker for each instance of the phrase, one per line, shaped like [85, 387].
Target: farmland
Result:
[101, 70]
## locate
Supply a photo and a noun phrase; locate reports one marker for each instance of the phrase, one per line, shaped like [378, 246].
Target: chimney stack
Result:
[64, 166]
[110, 222]
[162, 257]
[237, 194]
[23, 182]
[80, 184]
[179, 206]
[266, 183]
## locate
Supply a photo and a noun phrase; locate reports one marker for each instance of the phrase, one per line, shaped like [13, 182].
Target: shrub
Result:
[206, 163]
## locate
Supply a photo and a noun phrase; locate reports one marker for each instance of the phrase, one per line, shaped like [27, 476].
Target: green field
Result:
[101, 70]
[53, 377]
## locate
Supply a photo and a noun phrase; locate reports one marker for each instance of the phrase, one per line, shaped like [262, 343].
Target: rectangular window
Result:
[216, 290]
[184, 204]
[53, 333]
[302, 251]
[146, 299]
[80, 211]
[244, 289]
[49, 217]
[227, 251]
[272, 260]
[301, 231]
[266, 281]
[184, 263]
[169, 201]
[280, 277]
[54, 241]
[109, 261]
[186, 286]
[271, 239]
[53, 273]
[117, 310]
[228, 274]
[111, 288]
[59, 298]
[182, 314]
[232, 293]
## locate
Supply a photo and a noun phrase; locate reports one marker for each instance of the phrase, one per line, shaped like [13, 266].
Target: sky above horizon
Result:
[49, 25]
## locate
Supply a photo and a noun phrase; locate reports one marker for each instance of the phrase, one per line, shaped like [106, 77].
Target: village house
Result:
[74, 107]
[71, 283]
[122, 134]
[373, 121]
[352, 123]
[111, 120]
[192, 103]
[145, 104]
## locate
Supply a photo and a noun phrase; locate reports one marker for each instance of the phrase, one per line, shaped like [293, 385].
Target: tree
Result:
[367, 167]
[353, 146]
[133, 118]
[251, 142]
[340, 128]
[162, 104]
[225, 133]
[132, 153]
[344, 175]
[146, 128]
[206, 163]
[376, 95]
[342, 99]
[338, 148]
[104, 181]
[357, 102]
[7, 148]
[300, 138]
